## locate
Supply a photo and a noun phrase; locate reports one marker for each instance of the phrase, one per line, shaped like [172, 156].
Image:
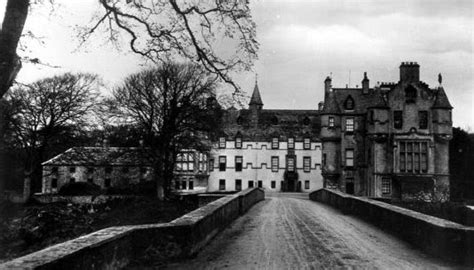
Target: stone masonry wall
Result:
[118, 247]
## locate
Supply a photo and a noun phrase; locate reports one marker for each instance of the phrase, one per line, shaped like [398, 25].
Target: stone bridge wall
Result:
[439, 237]
[118, 247]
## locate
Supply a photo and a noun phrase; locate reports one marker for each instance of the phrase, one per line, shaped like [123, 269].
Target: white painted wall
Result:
[257, 165]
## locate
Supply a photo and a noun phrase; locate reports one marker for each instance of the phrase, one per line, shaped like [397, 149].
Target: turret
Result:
[365, 84]
[255, 106]
[409, 72]
[441, 111]
[327, 85]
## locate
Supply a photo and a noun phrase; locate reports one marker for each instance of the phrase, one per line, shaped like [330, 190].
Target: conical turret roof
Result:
[330, 104]
[441, 101]
[256, 98]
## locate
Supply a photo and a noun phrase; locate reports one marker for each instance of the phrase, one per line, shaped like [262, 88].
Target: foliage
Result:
[461, 155]
[48, 115]
[174, 106]
[220, 36]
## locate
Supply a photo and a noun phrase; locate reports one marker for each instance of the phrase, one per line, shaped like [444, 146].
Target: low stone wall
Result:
[439, 237]
[118, 247]
[204, 199]
[87, 199]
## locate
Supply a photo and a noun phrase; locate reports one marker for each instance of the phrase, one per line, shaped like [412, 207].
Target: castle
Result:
[389, 141]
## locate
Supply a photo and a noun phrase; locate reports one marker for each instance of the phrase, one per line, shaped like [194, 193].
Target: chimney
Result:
[409, 72]
[320, 106]
[365, 84]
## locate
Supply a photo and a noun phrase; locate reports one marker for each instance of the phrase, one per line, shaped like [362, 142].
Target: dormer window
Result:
[275, 143]
[306, 121]
[349, 103]
[410, 94]
[238, 142]
[221, 142]
[239, 121]
[274, 120]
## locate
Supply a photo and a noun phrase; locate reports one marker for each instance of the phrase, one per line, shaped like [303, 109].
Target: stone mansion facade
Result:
[386, 141]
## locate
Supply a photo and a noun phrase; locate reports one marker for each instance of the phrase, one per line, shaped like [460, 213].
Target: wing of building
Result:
[388, 141]
[278, 150]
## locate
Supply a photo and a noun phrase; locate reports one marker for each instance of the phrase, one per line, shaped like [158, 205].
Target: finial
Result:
[440, 79]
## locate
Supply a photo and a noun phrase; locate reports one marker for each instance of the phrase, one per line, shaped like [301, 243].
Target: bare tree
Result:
[48, 112]
[200, 31]
[174, 104]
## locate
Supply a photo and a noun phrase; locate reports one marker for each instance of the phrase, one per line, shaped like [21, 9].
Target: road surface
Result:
[288, 231]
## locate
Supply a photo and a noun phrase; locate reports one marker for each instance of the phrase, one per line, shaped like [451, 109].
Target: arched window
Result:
[349, 103]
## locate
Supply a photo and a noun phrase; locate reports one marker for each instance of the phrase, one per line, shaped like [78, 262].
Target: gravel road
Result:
[288, 231]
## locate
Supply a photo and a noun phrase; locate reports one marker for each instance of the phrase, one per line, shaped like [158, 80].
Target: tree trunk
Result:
[16, 13]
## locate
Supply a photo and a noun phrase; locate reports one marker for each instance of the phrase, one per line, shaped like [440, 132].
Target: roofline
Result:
[51, 159]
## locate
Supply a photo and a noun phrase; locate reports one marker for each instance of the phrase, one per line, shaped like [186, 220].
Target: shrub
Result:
[80, 189]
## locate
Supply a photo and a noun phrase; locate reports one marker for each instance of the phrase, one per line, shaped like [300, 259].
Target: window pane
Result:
[398, 119]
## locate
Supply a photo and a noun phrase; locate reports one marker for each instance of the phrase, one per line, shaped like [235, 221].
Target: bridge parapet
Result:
[436, 236]
[118, 247]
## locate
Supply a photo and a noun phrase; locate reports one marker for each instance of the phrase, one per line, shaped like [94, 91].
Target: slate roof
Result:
[102, 156]
[271, 123]
[362, 101]
[441, 101]
[256, 99]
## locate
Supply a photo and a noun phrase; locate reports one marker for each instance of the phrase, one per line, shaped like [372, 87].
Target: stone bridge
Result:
[284, 231]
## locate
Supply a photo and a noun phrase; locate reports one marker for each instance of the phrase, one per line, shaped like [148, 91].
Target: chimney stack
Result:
[409, 72]
[365, 84]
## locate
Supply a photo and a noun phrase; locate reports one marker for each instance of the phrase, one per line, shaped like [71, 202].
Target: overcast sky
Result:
[301, 42]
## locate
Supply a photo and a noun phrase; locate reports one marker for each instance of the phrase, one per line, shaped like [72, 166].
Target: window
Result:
[275, 162]
[349, 124]
[238, 184]
[238, 142]
[222, 184]
[331, 121]
[349, 157]
[290, 164]
[275, 143]
[423, 119]
[221, 142]
[386, 186]
[191, 185]
[413, 156]
[306, 143]
[54, 183]
[306, 121]
[72, 180]
[349, 103]
[202, 162]
[260, 183]
[273, 184]
[222, 163]
[177, 185]
[291, 143]
[107, 182]
[306, 184]
[72, 169]
[250, 184]
[398, 119]
[54, 170]
[306, 164]
[324, 160]
[410, 94]
[183, 184]
[108, 170]
[185, 162]
[211, 164]
[238, 163]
